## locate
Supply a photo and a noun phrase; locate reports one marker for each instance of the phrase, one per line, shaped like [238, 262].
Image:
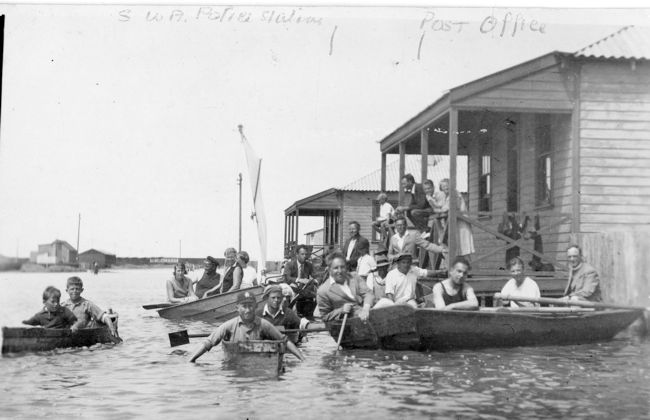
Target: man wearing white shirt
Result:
[408, 242]
[401, 282]
[353, 244]
[385, 219]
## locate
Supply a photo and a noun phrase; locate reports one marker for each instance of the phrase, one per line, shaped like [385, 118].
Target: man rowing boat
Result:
[247, 326]
[454, 293]
[343, 292]
[583, 283]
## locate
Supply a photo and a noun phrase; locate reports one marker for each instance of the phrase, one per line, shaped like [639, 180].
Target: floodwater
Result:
[145, 378]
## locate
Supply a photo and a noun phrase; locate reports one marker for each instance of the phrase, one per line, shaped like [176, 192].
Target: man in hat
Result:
[401, 282]
[277, 313]
[247, 326]
[210, 281]
[376, 279]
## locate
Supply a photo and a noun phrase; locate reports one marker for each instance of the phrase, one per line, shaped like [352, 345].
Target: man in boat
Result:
[408, 242]
[343, 292]
[454, 293]
[210, 282]
[353, 244]
[87, 313]
[401, 282]
[247, 326]
[519, 285]
[414, 202]
[583, 283]
[279, 315]
[52, 315]
[298, 274]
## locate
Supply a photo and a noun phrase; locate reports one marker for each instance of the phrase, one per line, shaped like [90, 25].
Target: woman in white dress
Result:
[249, 278]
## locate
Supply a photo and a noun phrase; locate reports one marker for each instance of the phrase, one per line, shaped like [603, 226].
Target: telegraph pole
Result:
[78, 233]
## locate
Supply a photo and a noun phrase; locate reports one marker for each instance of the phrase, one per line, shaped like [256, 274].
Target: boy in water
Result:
[53, 315]
[86, 312]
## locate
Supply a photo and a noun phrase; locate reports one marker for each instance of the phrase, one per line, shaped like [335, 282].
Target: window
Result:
[485, 176]
[543, 162]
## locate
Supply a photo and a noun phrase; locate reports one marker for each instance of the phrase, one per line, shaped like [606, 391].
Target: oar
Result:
[562, 302]
[157, 306]
[179, 338]
[338, 342]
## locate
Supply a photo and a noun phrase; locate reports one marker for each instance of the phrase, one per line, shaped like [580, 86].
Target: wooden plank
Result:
[612, 180]
[616, 209]
[621, 192]
[590, 105]
[614, 226]
[616, 162]
[615, 134]
[630, 199]
[615, 171]
[453, 205]
[517, 104]
[424, 153]
[615, 153]
[615, 124]
[616, 143]
[627, 115]
[600, 218]
[383, 171]
[402, 168]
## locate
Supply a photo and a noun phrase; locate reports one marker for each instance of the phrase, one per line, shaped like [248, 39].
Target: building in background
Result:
[103, 259]
[56, 253]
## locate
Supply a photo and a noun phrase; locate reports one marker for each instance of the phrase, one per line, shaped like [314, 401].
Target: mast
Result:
[239, 184]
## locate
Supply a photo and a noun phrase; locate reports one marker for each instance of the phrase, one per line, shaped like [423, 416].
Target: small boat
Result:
[218, 308]
[402, 327]
[16, 340]
[258, 356]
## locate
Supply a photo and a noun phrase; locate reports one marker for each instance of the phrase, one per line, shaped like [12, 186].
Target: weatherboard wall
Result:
[614, 146]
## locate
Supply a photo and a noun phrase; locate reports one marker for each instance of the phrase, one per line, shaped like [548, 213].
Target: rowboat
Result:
[15, 340]
[402, 327]
[258, 356]
[213, 308]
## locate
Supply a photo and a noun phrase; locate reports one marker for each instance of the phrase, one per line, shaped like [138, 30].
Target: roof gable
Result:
[629, 42]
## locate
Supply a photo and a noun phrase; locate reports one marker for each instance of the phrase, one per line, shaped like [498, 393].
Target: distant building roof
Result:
[62, 242]
[98, 251]
[438, 169]
[629, 42]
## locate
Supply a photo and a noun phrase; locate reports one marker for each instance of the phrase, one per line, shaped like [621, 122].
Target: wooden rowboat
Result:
[213, 308]
[15, 340]
[258, 356]
[402, 327]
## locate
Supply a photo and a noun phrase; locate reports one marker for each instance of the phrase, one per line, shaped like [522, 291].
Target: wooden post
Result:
[424, 151]
[239, 184]
[297, 217]
[453, 205]
[575, 157]
[402, 168]
[383, 172]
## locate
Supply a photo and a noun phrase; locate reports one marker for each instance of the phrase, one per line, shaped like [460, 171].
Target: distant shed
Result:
[88, 258]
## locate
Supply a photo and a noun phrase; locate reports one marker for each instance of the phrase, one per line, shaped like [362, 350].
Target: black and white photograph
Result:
[324, 211]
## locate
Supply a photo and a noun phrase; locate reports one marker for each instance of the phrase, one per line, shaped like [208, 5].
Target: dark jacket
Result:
[291, 271]
[355, 252]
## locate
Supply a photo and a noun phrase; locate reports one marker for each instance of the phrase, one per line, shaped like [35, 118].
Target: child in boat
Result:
[87, 313]
[520, 285]
[52, 315]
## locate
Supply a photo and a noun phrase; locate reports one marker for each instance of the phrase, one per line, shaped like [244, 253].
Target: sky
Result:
[128, 114]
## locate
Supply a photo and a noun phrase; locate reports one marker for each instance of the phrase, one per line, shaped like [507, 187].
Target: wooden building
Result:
[565, 137]
[58, 252]
[88, 258]
[355, 202]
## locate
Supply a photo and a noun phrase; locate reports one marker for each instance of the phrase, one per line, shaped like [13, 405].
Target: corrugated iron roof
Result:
[438, 169]
[98, 251]
[629, 42]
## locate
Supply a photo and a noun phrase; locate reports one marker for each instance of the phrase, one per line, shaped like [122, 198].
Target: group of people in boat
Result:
[75, 313]
[237, 274]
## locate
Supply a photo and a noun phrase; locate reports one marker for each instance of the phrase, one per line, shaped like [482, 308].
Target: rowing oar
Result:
[562, 302]
[179, 338]
[157, 306]
[338, 342]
